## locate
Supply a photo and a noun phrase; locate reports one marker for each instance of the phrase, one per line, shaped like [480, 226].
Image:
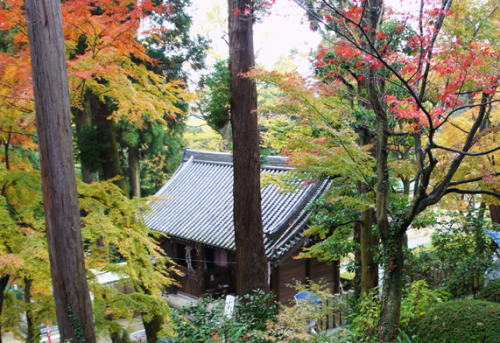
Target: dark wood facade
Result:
[204, 271]
[204, 274]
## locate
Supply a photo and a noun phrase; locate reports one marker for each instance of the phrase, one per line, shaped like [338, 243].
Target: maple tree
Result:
[422, 82]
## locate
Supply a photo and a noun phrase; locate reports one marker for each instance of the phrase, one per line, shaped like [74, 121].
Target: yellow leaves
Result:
[139, 94]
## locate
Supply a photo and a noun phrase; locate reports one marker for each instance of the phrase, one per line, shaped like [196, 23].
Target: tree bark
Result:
[391, 296]
[367, 263]
[134, 172]
[251, 260]
[4, 281]
[30, 331]
[495, 213]
[60, 199]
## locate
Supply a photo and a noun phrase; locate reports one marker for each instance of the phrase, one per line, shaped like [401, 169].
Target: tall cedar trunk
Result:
[134, 172]
[60, 198]
[30, 330]
[251, 260]
[83, 121]
[4, 281]
[111, 166]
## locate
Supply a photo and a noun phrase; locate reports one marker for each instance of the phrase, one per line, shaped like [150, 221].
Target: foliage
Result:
[460, 249]
[416, 302]
[210, 325]
[291, 324]
[216, 106]
[460, 321]
[491, 292]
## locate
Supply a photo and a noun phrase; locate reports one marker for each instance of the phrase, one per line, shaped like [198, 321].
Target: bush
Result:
[251, 315]
[462, 249]
[491, 292]
[460, 321]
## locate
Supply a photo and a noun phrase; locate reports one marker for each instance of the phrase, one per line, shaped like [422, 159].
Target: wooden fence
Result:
[433, 277]
[335, 309]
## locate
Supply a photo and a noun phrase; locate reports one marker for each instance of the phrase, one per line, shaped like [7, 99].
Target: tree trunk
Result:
[154, 326]
[30, 330]
[83, 121]
[495, 213]
[111, 158]
[4, 281]
[391, 295]
[251, 260]
[367, 263]
[60, 198]
[357, 260]
[134, 172]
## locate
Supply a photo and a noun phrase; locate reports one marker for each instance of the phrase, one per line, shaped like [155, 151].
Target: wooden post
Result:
[175, 288]
[200, 256]
[275, 283]
[308, 269]
[336, 276]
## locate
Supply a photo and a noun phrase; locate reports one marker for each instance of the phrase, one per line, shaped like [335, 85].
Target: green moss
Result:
[491, 292]
[461, 321]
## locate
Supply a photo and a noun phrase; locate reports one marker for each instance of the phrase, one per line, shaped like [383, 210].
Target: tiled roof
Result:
[196, 204]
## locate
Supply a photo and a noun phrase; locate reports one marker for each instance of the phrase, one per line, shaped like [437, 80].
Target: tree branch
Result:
[472, 192]
[461, 182]
[467, 153]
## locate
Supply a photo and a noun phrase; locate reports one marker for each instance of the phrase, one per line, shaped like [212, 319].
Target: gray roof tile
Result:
[196, 204]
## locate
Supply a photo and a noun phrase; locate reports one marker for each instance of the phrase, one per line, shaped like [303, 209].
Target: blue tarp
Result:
[495, 236]
[307, 296]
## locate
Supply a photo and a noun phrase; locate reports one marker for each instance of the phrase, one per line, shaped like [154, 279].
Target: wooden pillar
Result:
[174, 288]
[336, 277]
[200, 268]
[308, 269]
[275, 283]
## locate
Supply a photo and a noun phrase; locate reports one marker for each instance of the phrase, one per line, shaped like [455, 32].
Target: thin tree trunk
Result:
[30, 331]
[83, 121]
[357, 260]
[391, 295]
[134, 172]
[251, 260]
[60, 199]
[367, 262]
[111, 158]
[154, 326]
[4, 281]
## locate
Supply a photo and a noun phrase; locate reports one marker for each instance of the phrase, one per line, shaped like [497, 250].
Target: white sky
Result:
[276, 35]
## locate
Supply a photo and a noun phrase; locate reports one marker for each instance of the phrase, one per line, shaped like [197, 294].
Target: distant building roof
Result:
[196, 204]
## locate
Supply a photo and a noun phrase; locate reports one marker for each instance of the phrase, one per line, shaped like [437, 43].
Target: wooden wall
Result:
[292, 270]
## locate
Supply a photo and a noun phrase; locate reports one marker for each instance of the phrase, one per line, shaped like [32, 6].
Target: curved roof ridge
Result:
[199, 156]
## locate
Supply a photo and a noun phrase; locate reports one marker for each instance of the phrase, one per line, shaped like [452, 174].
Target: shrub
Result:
[491, 292]
[460, 247]
[208, 324]
[460, 321]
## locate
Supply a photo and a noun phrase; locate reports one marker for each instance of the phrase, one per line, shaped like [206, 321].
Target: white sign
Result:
[229, 308]
[138, 335]
[45, 329]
